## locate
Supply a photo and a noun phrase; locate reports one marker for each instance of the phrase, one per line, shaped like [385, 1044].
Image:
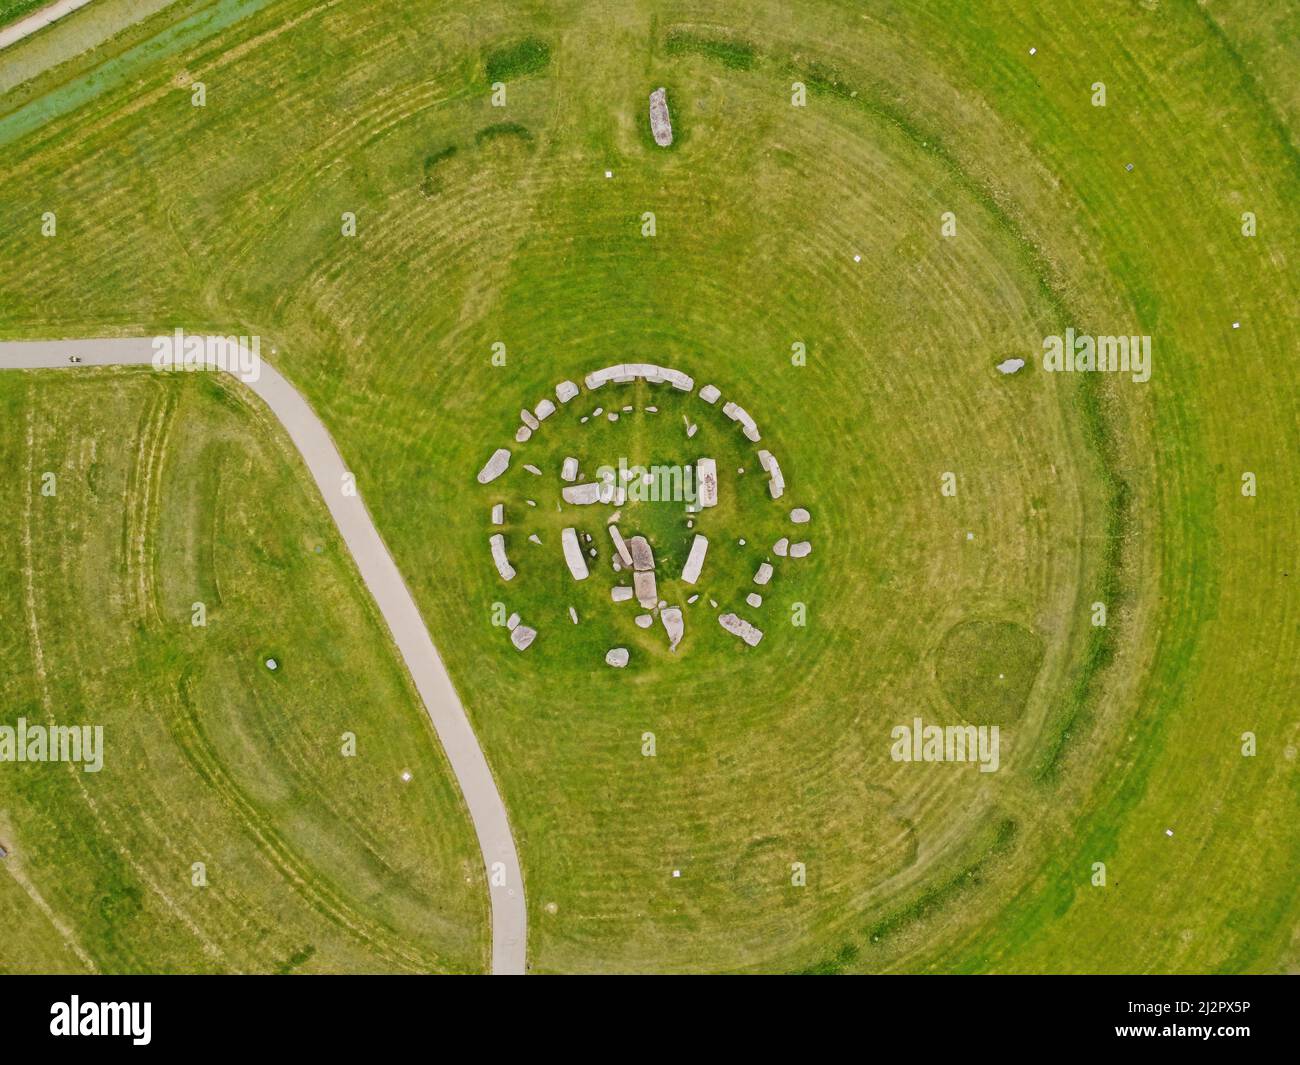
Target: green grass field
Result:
[480, 225]
[168, 493]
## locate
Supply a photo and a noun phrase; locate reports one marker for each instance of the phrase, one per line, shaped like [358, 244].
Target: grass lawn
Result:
[171, 492]
[481, 227]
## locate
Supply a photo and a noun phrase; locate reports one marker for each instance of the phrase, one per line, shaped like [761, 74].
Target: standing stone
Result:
[616, 657]
[523, 637]
[642, 557]
[706, 482]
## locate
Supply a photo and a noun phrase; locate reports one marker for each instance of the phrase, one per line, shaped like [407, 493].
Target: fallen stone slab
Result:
[642, 557]
[573, 615]
[671, 618]
[534, 538]
[532, 469]
[695, 559]
[800, 516]
[523, 637]
[625, 556]
[495, 466]
[706, 482]
[507, 571]
[616, 657]
[582, 494]
[620, 593]
[1011, 365]
[643, 581]
[764, 573]
[565, 391]
[738, 626]
[660, 124]
[499, 514]
[800, 550]
[573, 554]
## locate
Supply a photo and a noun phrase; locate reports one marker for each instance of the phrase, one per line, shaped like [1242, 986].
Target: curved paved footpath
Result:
[380, 573]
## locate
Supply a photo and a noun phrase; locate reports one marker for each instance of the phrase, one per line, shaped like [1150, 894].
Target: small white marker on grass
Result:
[1033, 51]
[1169, 831]
[272, 664]
[677, 872]
[857, 258]
[1236, 325]
[406, 776]
[970, 536]
[609, 173]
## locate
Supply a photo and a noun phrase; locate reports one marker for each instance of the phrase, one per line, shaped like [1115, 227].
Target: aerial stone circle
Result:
[634, 554]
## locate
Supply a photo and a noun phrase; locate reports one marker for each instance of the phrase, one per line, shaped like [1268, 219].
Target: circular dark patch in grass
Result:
[986, 669]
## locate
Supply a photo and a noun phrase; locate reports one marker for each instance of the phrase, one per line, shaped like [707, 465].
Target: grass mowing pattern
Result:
[172, 492]
[1074, 490]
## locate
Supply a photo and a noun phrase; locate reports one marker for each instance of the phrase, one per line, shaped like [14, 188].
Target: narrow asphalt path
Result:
[38, 20]
[384, 580]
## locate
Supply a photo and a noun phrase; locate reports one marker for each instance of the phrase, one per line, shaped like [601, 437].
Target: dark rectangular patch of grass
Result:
[517, 60]
[738, 55]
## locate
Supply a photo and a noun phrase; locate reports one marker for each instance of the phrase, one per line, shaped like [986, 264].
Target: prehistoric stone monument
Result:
[633, 556]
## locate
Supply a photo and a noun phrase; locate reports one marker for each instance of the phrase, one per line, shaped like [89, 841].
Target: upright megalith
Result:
[642, 557]
[706, 482]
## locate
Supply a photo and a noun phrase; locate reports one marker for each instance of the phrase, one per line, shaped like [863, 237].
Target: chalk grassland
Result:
[479, 225]
[168, 492]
